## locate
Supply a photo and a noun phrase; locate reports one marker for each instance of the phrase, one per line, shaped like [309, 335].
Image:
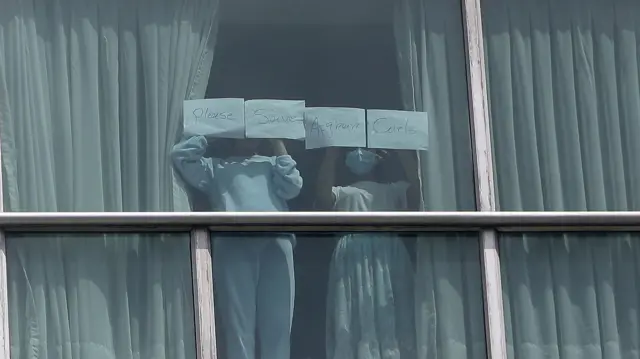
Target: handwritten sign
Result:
[218, 117]
[274, 119]
[335, 127]
[402, 130]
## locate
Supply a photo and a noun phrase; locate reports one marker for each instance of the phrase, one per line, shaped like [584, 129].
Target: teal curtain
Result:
[91, 98]
[571, 296]
[432, 64]
[565, 107]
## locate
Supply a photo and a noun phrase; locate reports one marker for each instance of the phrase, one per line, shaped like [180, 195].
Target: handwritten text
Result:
[390, 125]
[329, 128]
[206, 113]
[269, 118]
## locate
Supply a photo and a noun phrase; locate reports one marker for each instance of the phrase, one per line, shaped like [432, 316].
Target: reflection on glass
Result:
[364, 295]
[572, 295]
[100, 296]
[564, 93]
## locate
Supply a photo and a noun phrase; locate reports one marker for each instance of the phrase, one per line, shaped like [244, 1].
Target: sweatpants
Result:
[255, 289]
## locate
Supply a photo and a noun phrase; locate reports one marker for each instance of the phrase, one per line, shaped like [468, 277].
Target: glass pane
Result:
[92, 105]
[565, 103]
[100, 296]
[358, 295]
[571, 295]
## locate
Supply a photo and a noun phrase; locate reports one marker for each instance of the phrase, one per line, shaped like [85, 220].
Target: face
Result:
[361, 161]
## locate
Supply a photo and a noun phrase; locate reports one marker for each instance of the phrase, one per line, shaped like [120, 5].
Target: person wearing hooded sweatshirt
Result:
[370, 312]
[253, 273]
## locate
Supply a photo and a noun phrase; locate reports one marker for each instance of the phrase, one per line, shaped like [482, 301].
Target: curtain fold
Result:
[564, 92]
[91, 98]
[432, 65]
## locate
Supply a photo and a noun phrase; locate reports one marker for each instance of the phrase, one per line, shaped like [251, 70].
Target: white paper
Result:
[274, 119]
[402, 130]
[335, 127]
[216, 117]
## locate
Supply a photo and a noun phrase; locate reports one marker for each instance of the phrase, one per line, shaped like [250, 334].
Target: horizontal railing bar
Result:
[323, 221]
[299, 229]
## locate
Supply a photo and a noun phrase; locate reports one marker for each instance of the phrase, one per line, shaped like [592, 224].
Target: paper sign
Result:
[402, 130]
[335, 127]
[274, 119]
[217, 117]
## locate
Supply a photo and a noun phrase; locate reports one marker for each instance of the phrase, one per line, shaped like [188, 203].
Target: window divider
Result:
[203, 302]
[5, 343]
[4, 297]
[480, 126]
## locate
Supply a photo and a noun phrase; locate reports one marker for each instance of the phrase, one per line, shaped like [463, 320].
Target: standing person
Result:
[253, 273]
[370, 313]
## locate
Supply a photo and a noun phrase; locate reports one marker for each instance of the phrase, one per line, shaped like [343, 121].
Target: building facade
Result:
[446, 179]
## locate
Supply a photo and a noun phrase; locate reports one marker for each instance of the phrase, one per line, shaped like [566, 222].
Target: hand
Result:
[279, 149]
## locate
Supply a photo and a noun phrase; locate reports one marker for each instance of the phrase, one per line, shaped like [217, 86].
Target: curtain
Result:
[565, 102]
[91, 98]
[432, 65]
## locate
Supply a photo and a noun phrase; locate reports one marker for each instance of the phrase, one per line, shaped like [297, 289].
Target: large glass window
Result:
[565, 101]
[91, 97]
[94, 118]
[100, 296]
[571, 295]
[375, 55]
[356, 295]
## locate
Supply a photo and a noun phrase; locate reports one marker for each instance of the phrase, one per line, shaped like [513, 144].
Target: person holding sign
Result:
[253, 272]
[370, 292]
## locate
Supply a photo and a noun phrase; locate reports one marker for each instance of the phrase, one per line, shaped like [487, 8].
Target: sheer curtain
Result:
[91, 98]
[565, 108]
[432, 64]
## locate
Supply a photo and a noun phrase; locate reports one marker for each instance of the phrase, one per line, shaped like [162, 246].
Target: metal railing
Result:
[319, 221]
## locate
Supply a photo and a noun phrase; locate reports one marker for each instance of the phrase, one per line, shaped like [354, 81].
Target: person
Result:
[370, 292]
[253, 273]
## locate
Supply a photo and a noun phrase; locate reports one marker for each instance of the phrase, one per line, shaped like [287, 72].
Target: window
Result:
[380, 242]
[570, 294]
[563, 94]
[564, 97]
[403, 294]
[100, 296]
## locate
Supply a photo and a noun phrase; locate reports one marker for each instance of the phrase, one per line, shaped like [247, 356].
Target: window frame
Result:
[487, 222]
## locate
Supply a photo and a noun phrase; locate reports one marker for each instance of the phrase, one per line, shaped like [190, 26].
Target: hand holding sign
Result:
[401, 130]
[220, 117]
[335, 127]
[274, 119]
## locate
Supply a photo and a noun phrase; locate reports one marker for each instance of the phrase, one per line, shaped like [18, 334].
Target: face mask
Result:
[361, 161]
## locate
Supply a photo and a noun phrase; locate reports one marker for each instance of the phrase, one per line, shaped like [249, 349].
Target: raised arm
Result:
[188, 160]
[325, 198]
[286, 176]
[409, 160]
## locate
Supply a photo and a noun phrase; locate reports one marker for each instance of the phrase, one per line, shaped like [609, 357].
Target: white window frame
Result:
[486, 222]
